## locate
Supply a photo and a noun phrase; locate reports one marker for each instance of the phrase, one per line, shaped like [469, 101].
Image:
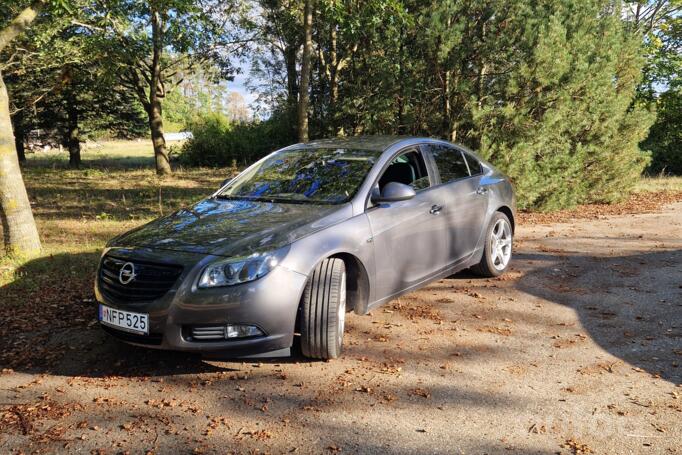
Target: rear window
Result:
[450, 162]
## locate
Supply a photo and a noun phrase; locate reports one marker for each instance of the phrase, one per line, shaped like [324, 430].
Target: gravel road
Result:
[576, 350]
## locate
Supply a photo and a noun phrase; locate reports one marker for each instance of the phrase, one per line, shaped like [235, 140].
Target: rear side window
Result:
[450, 162]
[474, 165]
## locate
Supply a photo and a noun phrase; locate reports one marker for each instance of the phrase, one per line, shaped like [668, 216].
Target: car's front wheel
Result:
[323, 310]
[498, 247]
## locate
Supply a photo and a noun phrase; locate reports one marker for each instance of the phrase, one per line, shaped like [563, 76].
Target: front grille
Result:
[151, 280]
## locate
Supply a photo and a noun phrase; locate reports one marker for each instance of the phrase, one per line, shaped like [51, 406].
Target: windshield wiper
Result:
[281, 200]
[229, 197]
[272, 200]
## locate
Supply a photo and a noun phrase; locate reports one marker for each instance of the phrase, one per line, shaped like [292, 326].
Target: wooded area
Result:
[560, 94]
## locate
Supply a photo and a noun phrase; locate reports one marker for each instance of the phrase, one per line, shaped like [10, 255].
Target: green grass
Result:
[654, 184]
[103, 155]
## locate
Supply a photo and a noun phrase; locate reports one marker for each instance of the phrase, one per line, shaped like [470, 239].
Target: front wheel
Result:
[498, 247]
[323, 310]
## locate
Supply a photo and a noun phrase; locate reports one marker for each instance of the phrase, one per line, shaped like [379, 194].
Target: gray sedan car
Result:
[311, 231]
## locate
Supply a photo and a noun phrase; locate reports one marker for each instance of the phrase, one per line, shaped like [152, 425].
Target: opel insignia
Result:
[280, 253]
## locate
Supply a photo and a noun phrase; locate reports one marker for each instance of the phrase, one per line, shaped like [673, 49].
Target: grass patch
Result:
[656, 184]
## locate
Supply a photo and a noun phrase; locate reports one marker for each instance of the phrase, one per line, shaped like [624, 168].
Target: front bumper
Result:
[270, 303]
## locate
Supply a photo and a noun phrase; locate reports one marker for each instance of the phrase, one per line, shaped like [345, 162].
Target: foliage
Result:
[149, 46]
[561, 121]
[178, 111]
[102, 111]
[665, 137]
[217, 142]
[662, 88]
[659, 23]
[198, 94]
[550, 91]
[542, 89]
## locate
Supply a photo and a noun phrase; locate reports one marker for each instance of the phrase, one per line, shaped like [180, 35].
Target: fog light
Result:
[242, 331]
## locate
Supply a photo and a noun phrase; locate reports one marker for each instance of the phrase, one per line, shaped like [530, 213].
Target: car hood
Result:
[233, 227]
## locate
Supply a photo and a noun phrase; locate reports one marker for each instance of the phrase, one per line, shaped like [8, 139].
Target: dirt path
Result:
[578, 349]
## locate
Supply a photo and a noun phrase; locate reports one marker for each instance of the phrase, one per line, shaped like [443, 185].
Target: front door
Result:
[407, 235]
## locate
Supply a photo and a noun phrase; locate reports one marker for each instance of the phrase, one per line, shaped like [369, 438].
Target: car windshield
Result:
[316, 176]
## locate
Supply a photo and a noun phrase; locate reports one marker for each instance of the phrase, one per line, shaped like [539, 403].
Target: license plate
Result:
[124, 320]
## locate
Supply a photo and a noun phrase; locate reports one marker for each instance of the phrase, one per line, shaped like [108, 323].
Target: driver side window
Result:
[408, 168]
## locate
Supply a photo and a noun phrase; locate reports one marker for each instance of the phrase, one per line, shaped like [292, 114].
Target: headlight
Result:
[237, 270]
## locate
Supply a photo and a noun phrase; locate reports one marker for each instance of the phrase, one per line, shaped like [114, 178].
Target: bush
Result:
[216, 142]
[564, 126]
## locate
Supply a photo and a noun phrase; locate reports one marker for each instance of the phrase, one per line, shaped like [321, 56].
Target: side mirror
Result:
[394, 192]
[224, 182]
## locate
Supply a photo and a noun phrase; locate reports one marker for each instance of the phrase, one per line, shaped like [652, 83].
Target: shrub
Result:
[217, 142]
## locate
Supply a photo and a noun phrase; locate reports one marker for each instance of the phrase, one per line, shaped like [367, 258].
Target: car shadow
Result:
[629, 305]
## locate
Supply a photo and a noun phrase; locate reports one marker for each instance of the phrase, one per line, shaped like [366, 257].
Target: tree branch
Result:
[20, 23]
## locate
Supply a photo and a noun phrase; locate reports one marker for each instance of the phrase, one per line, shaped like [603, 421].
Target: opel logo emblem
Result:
[127, 273]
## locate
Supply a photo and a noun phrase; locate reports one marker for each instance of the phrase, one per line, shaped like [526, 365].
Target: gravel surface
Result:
[576, 350]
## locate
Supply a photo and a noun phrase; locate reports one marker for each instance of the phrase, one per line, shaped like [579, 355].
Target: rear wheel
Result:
[323, 310]
[498, 247]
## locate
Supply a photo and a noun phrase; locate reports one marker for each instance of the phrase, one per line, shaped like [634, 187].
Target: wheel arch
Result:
[508, 212]
[357, 282]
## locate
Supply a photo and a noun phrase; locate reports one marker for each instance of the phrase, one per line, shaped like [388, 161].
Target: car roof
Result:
[377, 143]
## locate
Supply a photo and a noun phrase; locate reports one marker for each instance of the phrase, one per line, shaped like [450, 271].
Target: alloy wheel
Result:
[500, 244]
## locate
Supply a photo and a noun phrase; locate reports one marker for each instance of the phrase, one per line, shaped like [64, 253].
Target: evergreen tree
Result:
[545, 90]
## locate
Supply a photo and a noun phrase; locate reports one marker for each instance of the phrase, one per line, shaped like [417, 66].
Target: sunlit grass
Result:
[119, 154]
[667, 183]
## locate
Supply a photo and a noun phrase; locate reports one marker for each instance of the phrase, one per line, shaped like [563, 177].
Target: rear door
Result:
[466, 201]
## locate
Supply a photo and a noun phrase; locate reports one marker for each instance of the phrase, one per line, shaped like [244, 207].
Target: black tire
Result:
[323, 310]
[487, 267]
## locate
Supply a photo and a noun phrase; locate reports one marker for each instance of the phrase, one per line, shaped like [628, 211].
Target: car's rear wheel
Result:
[323, 310]
[498, 247]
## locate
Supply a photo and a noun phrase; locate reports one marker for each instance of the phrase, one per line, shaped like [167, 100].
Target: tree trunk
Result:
[304, 95]
[155, 94]
[292, 75]
[19, 230]
[400, 114]
[73, 141]
[18, 226]
[20, 23]
[19, 135]
[290, 53]
[447, 111]
[158, 141]
[333, 79]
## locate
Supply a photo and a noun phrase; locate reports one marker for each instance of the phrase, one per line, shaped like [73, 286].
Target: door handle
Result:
[482, 190]
[435, 209]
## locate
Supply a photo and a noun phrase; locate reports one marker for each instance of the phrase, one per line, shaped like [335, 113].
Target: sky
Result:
[239, 84]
